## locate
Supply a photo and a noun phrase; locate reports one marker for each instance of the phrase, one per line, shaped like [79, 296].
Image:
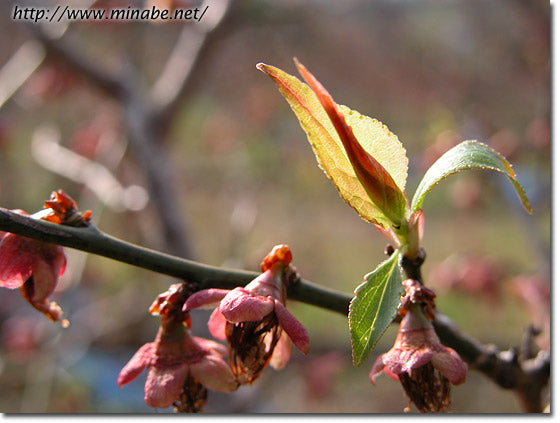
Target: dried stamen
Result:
[427, 388]
[249, 353]
[192, 398]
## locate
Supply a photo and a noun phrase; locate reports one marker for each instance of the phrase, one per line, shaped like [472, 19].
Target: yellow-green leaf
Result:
[372, 135]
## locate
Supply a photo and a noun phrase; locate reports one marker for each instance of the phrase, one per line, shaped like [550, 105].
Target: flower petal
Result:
[416, 358]
[210, 346]
[45, 277]
[37, 289]
[207, 298]
[292, 326]
[391, 374]
[241, 305]
[377, 368]
[214, 373]
[164, 385]
[450, 365]
[15, 263]
[282, 352]
[136, 365]
[400, 360]
[217, 324]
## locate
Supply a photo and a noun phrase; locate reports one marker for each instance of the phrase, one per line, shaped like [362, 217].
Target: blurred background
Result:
[169, 134]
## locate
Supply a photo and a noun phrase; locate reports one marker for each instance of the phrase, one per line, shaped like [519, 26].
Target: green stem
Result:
[92, 240]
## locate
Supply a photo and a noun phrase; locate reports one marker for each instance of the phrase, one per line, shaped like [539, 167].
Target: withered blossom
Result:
[254, 319]
[179, 364]
[34, 267]
[421, 363]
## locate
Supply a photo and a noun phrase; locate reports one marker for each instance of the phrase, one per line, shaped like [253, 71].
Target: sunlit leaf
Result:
[465, 156]
[374, 307]
[381, 147]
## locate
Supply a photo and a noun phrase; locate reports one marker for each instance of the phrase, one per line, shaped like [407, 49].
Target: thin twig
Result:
[92, 240]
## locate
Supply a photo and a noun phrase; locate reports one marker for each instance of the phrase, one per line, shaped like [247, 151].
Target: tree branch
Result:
[140, 122]
[177, 76]
[92, 240]
[527, 377]
[110, 82]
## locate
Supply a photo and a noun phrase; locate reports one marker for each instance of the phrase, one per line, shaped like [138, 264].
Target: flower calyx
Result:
[417, 293]
[169, 305]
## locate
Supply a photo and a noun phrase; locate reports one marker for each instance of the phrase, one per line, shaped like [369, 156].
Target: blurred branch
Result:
[147, 118]
[110, 82]
[19, 67]
[527, 376]
[140, 126]
[175, 81]
[48, 152]
[139, 121]
[28, 56]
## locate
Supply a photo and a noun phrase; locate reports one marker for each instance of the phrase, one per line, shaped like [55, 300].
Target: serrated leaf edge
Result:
[361, 360]
[381, 219]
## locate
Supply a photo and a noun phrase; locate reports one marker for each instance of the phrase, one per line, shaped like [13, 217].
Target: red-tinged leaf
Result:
[373, 136]
[377, 182]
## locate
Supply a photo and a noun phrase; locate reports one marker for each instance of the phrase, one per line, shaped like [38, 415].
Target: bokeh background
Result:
[230, 161]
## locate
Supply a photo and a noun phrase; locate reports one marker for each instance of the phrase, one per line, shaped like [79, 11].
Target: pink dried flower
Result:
[34, 267]
[423, 365]
[180, 369]
[254, 319]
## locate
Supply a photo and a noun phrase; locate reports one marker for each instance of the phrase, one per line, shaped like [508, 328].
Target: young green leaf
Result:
[343, 141]
[374, 307]
[465, 156]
